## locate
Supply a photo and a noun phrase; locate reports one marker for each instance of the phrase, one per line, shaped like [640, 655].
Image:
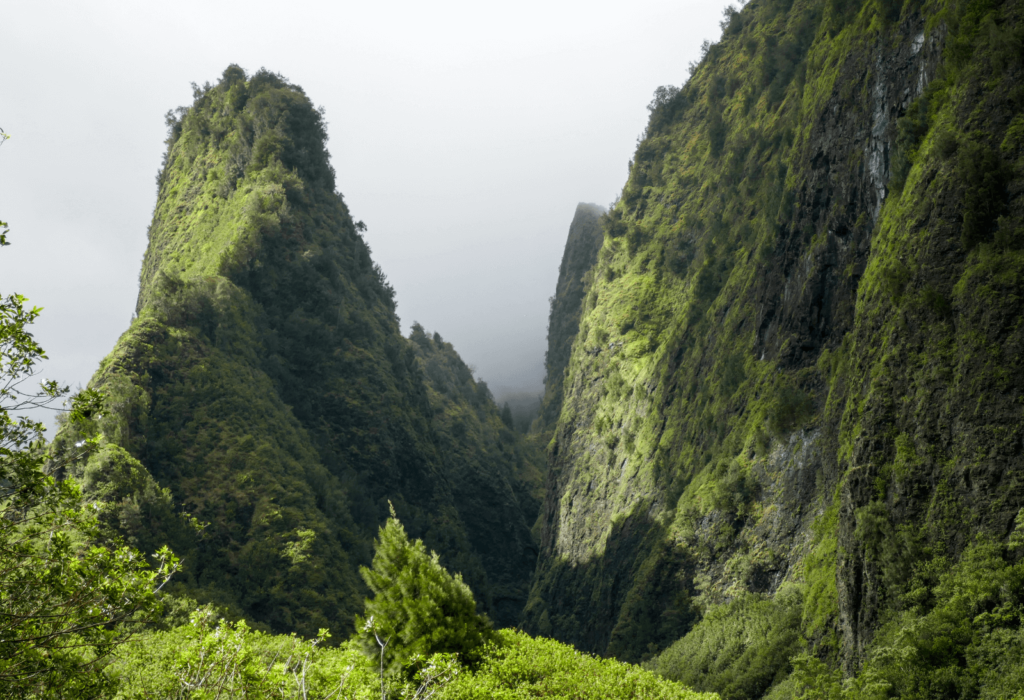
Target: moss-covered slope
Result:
[800, 358]
[265, 383]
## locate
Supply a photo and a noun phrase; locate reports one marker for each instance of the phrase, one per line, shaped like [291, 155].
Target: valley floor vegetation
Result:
[421, 638]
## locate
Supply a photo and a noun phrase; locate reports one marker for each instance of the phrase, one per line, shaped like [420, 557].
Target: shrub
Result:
[982, 174]
[70, 592]
[960, 633]
[789, 409]
[210, 657]
[418, 609]
[520, 666]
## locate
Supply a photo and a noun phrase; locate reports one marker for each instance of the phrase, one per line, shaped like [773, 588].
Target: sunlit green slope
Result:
[797, 383]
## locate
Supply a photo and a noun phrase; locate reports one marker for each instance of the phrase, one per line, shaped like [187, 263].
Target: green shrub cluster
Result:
[421, 638]
[210, 658]
[958, 633]
[520, 667]
[71, 590]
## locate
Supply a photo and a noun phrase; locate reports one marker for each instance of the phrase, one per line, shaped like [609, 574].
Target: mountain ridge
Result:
[787, 298]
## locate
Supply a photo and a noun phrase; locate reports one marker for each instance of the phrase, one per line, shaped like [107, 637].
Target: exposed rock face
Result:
[800, 354]
[266, 385]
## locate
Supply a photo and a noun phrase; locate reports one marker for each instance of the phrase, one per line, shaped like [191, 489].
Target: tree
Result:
[506, 417]
[418, 609]
[69, 591]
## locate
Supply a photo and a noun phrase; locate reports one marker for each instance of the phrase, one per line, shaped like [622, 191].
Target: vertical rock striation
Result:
[581, 247]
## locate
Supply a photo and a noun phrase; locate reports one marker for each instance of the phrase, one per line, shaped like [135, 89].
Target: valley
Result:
[779, 452]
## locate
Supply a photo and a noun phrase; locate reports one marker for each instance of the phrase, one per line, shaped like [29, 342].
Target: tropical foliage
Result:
[70, 591]
[798, 365]
[518, 667]
[265, 387]
[421, 638]
[418, 609]
[959, 633]
[782, 410]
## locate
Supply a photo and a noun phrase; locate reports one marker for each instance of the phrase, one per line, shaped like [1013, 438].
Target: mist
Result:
[463, 135]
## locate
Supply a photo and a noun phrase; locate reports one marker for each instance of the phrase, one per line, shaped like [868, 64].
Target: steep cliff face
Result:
[266, 386]
[798, 366]
[581, 247]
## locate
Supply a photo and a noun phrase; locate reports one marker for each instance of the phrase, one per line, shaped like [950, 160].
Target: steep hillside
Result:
[264, 386]
[794, 400]
[581, 247]
[498, 503]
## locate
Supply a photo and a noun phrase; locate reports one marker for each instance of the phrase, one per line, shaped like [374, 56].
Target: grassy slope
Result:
[798, 359]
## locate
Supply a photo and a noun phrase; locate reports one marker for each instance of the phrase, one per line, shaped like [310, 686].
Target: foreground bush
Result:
[520, 666]
[210, 658]
[418, 608]
[70, 590]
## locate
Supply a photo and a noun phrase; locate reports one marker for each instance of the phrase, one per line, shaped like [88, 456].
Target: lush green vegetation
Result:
[496, 476]
[71, 591]
[959, 633]
[418, 609]
[738, 649]
[264, 387]
[421, 638]
[519, 666]
[783, 403]
[798, 360]
[210, 656]
[82, 614]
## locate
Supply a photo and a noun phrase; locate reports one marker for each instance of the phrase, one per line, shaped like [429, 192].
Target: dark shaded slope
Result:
[495, 474]
[265, 382]
[799, 361]
[581, 247]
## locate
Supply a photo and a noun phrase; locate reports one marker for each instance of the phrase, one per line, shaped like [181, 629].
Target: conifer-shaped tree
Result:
[418, 609]
[507, 418]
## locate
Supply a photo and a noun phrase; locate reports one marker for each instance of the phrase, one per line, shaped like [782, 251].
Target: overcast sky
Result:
[463, 135]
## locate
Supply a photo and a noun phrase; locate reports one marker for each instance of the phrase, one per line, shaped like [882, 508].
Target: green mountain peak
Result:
[265, 388]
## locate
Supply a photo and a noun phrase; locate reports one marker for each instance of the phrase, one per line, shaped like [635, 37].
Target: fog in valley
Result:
[463, 135]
